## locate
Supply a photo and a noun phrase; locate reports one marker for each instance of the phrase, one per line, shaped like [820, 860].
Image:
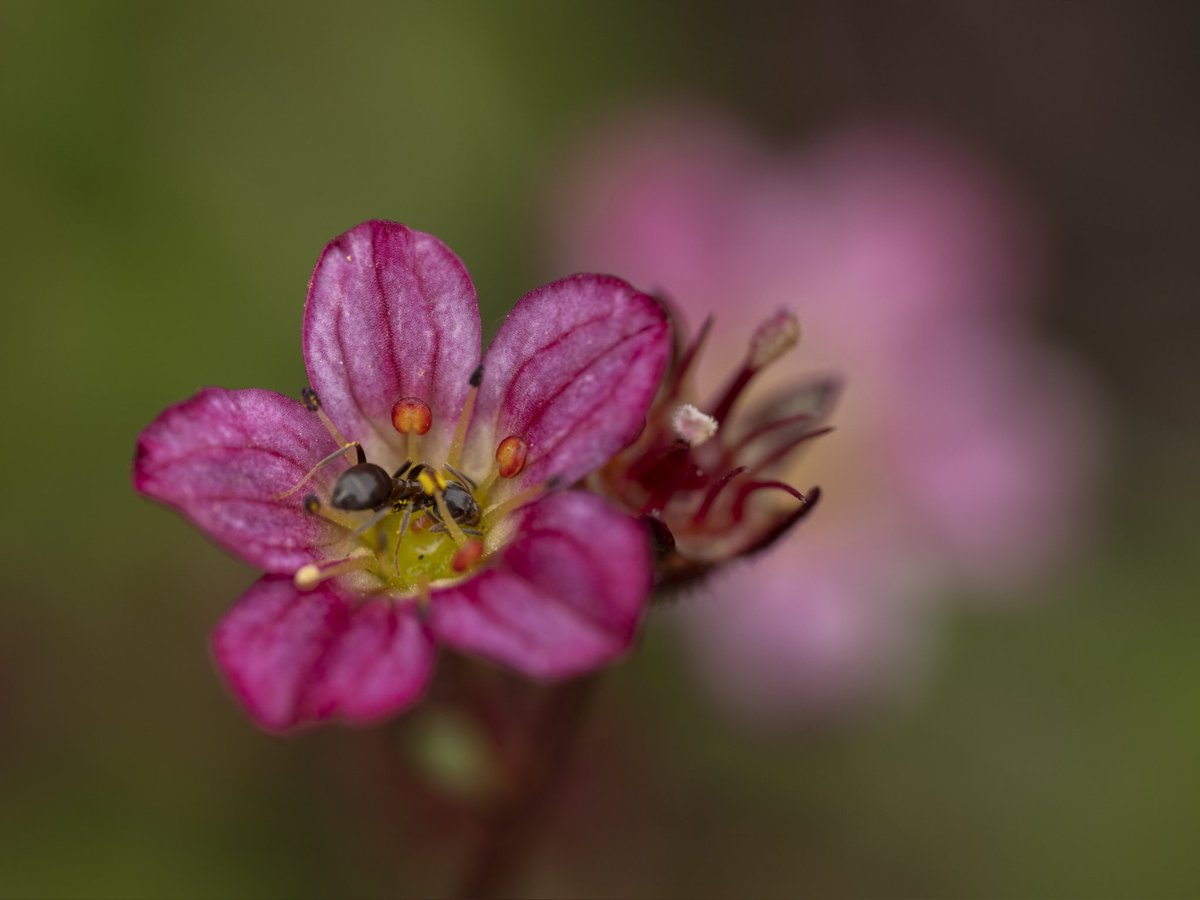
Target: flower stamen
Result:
[308, 576]
[784, 449]
[510, 456]
[692, 426]
[510, 462]
[523, 498]
[454, 456]
[684, 365]
[739, 506]
[313, 404]
[424, 597]
[313, 506]
[411, 417]
[711, 496]
[467, 555]
[771, 340]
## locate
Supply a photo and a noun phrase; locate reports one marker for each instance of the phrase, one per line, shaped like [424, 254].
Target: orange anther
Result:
[511, 456]
[467, 555]
[411, 416]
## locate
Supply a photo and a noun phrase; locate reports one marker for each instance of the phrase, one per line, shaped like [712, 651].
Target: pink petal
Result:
[270, 642]
[572, 373]
[1000, 426]
[565, 597]
[391, 313]
[292, 656]
[379, 665]
[649, 195]
[815, 626]
[221, 457]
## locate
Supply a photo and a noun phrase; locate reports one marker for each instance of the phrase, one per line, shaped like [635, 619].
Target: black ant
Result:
[417, 488]
[366, 486]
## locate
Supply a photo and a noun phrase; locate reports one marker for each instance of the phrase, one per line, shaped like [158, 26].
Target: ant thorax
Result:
[418, 525]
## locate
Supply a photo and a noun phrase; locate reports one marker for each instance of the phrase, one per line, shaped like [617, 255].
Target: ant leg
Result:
[399, 537]
[399, 473]
[379, 516]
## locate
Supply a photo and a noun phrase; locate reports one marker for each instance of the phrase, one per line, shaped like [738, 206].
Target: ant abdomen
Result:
[362, 486]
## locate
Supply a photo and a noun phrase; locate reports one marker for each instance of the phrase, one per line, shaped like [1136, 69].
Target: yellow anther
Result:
[307, 577]
[310, 575]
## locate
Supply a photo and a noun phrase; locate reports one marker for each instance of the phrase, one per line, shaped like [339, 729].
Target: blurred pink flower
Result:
[964, 446]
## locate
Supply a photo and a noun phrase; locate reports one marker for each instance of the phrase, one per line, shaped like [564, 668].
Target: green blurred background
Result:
[168, 174]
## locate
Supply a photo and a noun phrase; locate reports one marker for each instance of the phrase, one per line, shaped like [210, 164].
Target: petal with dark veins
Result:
[565, 597]
[572, 373]
[221, 458]
[379, 665]
[293, 657]
[391, 313]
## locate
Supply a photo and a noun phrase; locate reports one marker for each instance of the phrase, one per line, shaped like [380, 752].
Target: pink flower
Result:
[452, 531]
[707, 481]
[964, 446]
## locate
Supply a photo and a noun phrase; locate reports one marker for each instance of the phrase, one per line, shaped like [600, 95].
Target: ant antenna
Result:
[467, 480]
[355, 445]
[313, 404]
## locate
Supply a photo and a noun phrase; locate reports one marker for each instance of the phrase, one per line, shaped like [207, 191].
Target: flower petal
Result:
[391, 313]
[770, 650]
[572, 373]
[565, 597]
[221, 457]
[292, 656]
[379, 665]
[270, 642]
